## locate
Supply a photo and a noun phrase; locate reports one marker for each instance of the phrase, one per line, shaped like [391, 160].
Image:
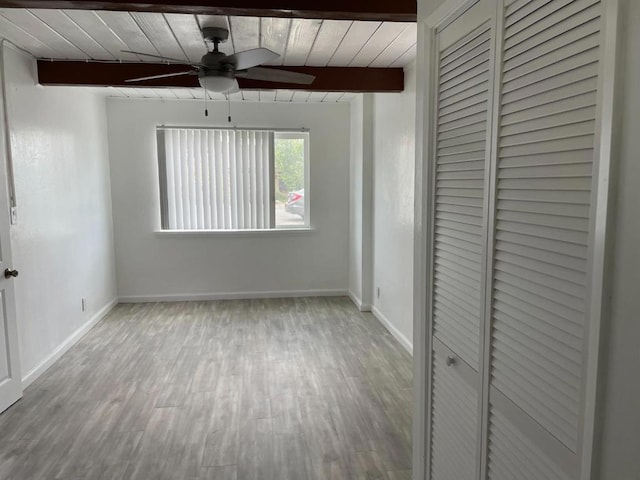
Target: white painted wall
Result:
[355, 201]
[157, 266]
[63, 242]
[427, 7]
[361, 202]
[394, 164]
[620, 442]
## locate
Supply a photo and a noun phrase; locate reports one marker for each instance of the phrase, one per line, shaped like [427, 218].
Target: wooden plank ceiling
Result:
[101, 35]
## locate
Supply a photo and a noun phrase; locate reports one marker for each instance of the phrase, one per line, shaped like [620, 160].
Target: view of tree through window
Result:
[289, 167]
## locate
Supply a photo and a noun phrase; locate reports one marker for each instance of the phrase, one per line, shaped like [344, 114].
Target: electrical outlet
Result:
[378, 292]
[84, 304]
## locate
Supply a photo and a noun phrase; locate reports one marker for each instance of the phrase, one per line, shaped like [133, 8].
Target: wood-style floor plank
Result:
[274, 389]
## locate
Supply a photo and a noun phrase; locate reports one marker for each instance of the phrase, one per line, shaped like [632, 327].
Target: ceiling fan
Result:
[217, 71]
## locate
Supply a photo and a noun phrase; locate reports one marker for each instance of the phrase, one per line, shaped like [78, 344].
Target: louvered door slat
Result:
[475, 127]
[471, 83]
[581, 18]
[559, 74]
[468, 89]
[468, 165]
[559, 285]
[510, 311]
[513, 126]
[551, 13]
[570, 130]
[560, 343]
[540, 231]
[578, 94]
[464, 79]
[548, 112]
[462, 138]
[476, 57]
[460, 175]
[543, 217]
[536, 48]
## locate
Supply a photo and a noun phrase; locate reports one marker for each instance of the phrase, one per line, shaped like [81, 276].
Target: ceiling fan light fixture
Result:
[217, 84]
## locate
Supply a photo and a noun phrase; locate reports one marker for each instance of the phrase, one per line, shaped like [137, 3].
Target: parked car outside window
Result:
[295, 203]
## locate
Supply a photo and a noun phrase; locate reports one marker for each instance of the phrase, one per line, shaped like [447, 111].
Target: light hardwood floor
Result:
[276, 389]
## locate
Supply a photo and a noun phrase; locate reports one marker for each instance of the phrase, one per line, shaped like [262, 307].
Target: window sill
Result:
[275, 232]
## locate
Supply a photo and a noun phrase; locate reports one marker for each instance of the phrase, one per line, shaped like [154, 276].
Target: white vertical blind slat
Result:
[193, 203]
[198, 179]
[184, 183]
[171, 180]
[234, 153]
[240, 154]
[244, 186]
[226, 186]
[253, 186]
[264, 179]
[206, 176]
[213, 178]
[219, 196]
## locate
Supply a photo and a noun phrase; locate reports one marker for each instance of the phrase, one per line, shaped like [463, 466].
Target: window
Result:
[217, 179]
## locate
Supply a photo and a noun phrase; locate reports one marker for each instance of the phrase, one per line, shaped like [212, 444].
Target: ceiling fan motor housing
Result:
[214, 60]
[215, 34]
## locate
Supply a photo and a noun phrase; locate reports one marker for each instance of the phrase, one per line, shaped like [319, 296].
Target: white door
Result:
[463, 90]
[544, 218]
[10, 380]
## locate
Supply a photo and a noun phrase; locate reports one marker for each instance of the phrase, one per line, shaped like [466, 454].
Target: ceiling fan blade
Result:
[250, 58]
[166, 59]
[276, 75]
[153, 77]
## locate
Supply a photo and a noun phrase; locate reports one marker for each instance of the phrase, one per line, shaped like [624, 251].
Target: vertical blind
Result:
[215, 179]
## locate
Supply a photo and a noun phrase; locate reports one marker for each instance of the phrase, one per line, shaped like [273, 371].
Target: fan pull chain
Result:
[206, 112]
[229, 108]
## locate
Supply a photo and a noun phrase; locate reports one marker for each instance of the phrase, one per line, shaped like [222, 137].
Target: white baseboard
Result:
[32, 375]
[363, 307]
[185, 297]
[397, 334]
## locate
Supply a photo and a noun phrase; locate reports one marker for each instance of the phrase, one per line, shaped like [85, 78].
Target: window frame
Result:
[293, 133]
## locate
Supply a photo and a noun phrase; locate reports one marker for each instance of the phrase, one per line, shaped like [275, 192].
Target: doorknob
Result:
[8, 273]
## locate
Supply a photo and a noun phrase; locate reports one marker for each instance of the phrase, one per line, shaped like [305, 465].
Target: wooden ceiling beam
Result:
[328, 79]
[378, 10]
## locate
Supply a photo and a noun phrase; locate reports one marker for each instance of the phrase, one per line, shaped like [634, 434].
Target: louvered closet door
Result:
[544, 169]
[459, 203]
